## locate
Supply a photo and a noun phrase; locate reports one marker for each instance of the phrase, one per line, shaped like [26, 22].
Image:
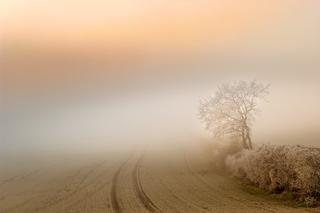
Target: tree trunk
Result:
[244, 139]
[245, 135]
[248, 138]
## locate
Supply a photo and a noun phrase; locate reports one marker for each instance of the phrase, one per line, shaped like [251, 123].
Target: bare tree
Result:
[232, 109]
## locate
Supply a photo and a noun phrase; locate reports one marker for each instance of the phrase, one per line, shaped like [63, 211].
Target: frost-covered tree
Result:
[232, 109]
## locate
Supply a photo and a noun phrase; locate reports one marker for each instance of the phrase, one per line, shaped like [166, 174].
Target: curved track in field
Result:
[143, 197]
[114, 195]
[177, 179]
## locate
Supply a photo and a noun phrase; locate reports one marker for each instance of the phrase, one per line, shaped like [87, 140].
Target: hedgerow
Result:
[278, 169]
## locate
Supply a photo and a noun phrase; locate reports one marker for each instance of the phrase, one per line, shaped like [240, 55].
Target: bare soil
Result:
[150, 179]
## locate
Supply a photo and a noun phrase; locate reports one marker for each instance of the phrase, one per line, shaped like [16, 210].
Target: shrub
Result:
[220, 151]
[294, 169]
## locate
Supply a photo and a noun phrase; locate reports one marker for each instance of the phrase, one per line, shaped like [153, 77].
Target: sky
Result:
[94, 73]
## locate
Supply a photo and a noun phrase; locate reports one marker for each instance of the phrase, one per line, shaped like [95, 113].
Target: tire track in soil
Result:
[114, 195]
[20, 177]
[143, 197]
[201, 179]
[61, 199]
[170, 192]
[80, 187]
[180, 199]
[188, 185]
[114, 200]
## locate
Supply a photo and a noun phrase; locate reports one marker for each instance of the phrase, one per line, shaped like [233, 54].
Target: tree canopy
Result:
[232, 109]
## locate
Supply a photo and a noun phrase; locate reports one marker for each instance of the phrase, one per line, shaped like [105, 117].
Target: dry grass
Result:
[280, 169]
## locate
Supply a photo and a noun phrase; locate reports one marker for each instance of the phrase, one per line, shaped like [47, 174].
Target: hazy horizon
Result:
[107, 73]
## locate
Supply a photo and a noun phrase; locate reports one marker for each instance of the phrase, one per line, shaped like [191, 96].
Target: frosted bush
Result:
[294, 169]
[219, 151]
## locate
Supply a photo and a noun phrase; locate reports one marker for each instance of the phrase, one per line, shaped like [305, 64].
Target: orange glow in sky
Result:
[138, 22]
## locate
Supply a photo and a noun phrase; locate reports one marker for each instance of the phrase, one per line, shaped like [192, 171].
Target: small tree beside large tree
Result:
[231, 111]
